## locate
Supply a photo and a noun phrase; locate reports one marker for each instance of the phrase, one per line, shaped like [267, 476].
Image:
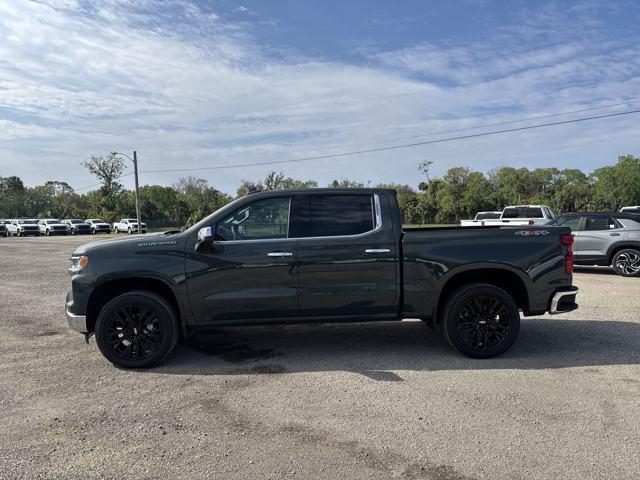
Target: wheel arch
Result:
[615, 248]
[503, 278]
[111, 288]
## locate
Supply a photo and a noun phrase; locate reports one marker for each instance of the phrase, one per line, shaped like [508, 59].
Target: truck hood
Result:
[129, 244]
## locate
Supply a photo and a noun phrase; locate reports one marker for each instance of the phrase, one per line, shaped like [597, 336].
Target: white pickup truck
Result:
[480, 218]
[516, 216]
[128, 225]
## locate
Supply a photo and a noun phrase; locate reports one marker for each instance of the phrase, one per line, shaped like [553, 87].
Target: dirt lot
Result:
[385, 400]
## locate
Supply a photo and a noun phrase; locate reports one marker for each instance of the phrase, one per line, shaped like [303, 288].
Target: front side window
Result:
[261, 220]
[571, 222]
[600, 223]
[337, 215]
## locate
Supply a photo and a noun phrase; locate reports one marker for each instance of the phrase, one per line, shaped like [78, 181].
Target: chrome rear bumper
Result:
[563, 301]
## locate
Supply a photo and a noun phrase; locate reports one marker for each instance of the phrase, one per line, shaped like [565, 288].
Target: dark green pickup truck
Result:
[320, 255]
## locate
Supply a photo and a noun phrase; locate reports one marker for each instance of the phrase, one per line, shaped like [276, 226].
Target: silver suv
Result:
[605, 238]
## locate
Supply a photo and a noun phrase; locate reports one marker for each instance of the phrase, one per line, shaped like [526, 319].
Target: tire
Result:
[18, 234]
[129, 230]
[47, 233]
[93, 231]
[118, 330]
[627, 262]
[469, 326]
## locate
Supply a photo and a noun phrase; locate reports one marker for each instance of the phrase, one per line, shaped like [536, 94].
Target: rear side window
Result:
[601, 223]
[571, 222]
[523, 212]
[336, 215]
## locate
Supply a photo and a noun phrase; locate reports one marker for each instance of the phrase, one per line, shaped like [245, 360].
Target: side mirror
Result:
[205, 236]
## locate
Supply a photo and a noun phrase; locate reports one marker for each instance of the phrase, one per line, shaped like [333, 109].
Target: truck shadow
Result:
[594, 269]
[377, 349]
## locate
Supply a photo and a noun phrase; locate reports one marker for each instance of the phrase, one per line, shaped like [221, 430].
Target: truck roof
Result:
[329, 190]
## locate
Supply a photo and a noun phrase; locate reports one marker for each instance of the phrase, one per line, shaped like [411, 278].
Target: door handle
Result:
[279, 254]
[614, 234]
[377, 250]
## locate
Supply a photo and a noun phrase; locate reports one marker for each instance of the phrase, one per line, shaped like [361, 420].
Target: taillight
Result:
[566, 239]
[531, 222]
[482, 223]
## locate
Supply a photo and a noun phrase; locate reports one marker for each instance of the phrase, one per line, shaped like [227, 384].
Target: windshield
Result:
[522, 212]
[75, 222]
[22, 222]
[97, 220]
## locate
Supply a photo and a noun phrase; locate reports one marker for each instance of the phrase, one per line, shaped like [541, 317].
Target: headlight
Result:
[78, 263]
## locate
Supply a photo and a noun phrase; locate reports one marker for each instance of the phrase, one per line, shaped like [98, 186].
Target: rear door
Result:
[348, 261]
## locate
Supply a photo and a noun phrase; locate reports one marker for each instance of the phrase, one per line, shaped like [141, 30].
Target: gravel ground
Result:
[380, 400]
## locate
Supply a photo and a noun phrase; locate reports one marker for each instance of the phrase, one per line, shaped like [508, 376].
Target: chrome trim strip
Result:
[77, 322]
[377, 250]
[279, 254]
[553, 308]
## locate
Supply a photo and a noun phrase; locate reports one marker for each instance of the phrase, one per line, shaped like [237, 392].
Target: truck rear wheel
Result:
[480, 320]
[137, 330]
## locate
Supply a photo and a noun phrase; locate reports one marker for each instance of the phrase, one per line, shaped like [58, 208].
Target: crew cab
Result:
[605, 238]
[98, 226]
[480, 218]
[317, 255]
[129, 225]
[75, 226]
[22, 227]
[52, 226]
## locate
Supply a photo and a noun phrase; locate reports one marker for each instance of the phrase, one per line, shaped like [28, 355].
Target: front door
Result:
[596, 236]
[348, 263]
[250, 271]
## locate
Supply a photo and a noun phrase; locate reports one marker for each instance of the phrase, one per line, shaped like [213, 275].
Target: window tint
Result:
[334, 215]
[262, 219]
[522, 212]
[600, 223]
[571, 222]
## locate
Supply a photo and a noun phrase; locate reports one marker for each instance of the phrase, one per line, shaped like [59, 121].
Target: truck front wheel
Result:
[137, 329]
[480, 320]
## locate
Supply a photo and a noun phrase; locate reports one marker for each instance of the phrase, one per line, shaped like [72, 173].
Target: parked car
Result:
[52, 226]
[75, 226]
[3, 229]
[517, 215]
[631, 209]
[317, 255]
[605, 238]
[128, 225]
[21, 227]
[98, 226]
[479, 219]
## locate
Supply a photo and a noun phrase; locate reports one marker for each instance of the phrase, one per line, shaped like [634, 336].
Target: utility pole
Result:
[135, 173]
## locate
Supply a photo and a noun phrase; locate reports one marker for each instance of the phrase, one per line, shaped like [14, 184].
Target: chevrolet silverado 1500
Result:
[319, 255]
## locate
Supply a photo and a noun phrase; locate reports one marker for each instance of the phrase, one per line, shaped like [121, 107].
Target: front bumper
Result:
[77, 322]
[563, 301]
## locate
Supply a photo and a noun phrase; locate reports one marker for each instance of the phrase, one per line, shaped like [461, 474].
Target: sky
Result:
[192, 84]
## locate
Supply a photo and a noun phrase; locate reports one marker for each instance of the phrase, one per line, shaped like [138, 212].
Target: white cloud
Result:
[185, 88]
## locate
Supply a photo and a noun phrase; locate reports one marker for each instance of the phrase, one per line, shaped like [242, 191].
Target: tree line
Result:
[458, 194]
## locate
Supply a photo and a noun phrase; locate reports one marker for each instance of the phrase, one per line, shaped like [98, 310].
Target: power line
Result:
[395, 147]
[97, 184]
[486, 125]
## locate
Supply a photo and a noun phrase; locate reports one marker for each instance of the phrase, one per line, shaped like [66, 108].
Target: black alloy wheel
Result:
[481, 320]
[627, 262]
[137, 329]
